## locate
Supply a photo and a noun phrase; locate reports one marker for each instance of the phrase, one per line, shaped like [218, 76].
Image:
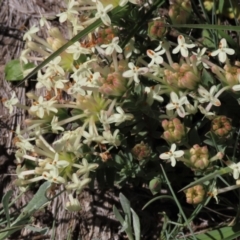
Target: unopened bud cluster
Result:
[114, 84]
[141, 151]
[184, 76]
[174, 130]
[231, 74]
[199, 157]
[156, 29]
[195, 195]
[179, 11]
[221, 126]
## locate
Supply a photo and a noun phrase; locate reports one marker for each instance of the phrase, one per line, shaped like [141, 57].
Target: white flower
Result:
[92, 134]
[236, 169]
[41, 106]
[77, 50]
[56, 163]
[43, 80]
[172, 155]
[207, 114]
[54, 67]
[85, 168]
[112, 46]
[53, 176]
[155, 56]
[77, 184]
[30, 32]
[134, 72]
[124, 2]
[11, 102]
[55, 126]
[209, 96]
[69, 14]
[111, 138]
[200, 55]
[24, 55]
[222, 51]
[177, 103]
[102, 12]
[153, 94]
[182, 46]
[129, 48]
[120, 117]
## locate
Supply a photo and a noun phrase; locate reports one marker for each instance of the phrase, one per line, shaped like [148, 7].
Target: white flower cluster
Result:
[96, 107]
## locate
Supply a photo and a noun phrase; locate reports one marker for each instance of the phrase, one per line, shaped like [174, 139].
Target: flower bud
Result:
[184, 76]
[141, 151]
[231, 75]
[113, 85]
[156, 29]
[155, 185]
[195, 195]
[179, 11]
[199, 157]
[175, 131]
[221, 127]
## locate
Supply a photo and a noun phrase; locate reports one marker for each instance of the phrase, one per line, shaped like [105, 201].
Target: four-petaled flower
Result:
[102, 12]
[11, 102]
[200, 55]
[182, 46]
[112, 46]
[155, 56]
[134, 72]
[172, 155]
[222, 51]
[209, 96]
[177, 103]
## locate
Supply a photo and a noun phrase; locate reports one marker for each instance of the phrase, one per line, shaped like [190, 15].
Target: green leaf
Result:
[118, 215]
[136, 225]
[207, 79]
[226, 233]
[5, 202]
[220, 6]
[14, 70]
[36, 203]
[206, 26]
[126, 206]
[209, 177]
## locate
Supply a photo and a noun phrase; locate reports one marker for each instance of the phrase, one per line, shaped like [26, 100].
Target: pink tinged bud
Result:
[168, 137]
[195, 194]
[176, 121]
[205, 150]
[165, 124]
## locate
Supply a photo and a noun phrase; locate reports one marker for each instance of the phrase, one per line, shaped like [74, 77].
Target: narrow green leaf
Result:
[5, 202]
[226, 233]
[206, 26]
[208, 177]
[136, 225]
[155, 199]
[126, 206]
[118, 215]
[220, 6]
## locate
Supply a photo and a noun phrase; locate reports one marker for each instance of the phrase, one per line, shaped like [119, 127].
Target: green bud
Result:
[155, 185]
